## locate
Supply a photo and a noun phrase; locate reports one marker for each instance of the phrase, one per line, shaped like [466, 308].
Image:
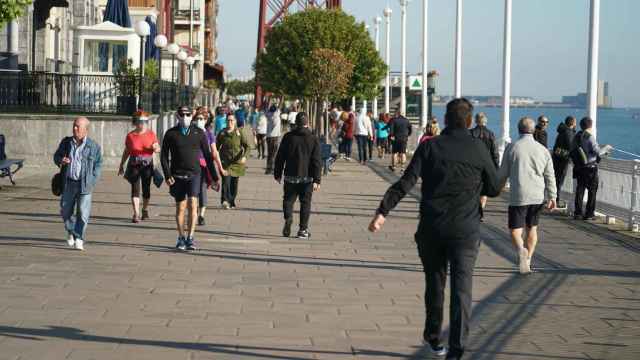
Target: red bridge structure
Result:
[271, 11]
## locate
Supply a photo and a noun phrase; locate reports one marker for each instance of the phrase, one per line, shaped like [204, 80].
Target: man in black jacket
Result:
[179, 156]
[456, 170]
[399, 132]
[561, 149]
[540, 134]
[299, 158]
[489, 139]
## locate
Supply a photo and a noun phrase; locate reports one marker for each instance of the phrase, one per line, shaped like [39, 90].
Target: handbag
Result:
[158, 179]
[57, 182]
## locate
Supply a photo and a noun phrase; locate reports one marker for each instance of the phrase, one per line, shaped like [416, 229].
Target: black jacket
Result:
[489, 139]
[400, 128]
[565, 137]
[456, 170]
[299, 155]
[180, 154]
[540, 135]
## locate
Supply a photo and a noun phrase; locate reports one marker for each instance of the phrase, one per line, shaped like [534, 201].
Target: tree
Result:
[291, 42]
[239, 87]
[11, 9]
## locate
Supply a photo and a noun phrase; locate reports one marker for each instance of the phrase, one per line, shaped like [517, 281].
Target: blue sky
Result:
[550, 39]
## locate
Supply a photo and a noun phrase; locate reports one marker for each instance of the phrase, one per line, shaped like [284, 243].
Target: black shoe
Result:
[190, 243]
[577, 217]
[392, 168]
[201, 221]
[590, 217]
[268, 172]
[304, 234]
[286, 230]
[145, 214]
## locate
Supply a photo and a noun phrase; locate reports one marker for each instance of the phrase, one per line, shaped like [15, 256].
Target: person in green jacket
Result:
[233, 148]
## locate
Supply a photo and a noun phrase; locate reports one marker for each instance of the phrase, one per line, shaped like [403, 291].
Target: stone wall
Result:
[35, 137]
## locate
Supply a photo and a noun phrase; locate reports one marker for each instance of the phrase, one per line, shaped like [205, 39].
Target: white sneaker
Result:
[439, 350]
[523, 255]
[79, 245]
[529, 264]
[71, 240]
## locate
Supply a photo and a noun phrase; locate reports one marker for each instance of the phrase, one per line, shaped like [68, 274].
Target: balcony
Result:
[184, 15]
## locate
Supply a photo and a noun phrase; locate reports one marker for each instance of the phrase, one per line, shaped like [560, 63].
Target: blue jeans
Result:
[72, 200]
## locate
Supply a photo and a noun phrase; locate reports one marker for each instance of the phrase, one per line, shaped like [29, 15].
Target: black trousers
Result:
[347, 143]
[272, 149]
[587, 179]
[371, 145]
[260, 139]
[436, 255]
[303, 192]
[363, 141]
[229, 190]
[140, 175]
[560, 166]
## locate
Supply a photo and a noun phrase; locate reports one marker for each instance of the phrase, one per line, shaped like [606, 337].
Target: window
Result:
[101, 56]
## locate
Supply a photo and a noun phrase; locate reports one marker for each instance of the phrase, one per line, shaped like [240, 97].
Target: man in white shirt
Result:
[363, 132]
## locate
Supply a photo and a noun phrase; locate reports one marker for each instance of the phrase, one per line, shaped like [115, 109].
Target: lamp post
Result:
[143, 30]
[425, 77]
[160, 42]
[182, 56]
[594, 48]
[189, 61]
[376, 21]
[387, 15]
[403, 52]
[458, 66]
[173, 49]
[506, 80]
[432, 81]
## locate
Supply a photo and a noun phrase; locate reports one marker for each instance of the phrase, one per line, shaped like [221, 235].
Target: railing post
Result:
[635, 188]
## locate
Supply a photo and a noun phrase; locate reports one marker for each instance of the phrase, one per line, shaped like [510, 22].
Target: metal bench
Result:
[8, 167]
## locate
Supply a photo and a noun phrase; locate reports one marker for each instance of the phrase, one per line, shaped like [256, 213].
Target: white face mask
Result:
[185, 121]
[201, 123]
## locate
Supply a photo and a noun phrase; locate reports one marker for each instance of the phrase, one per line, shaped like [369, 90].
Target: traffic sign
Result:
[415, 82]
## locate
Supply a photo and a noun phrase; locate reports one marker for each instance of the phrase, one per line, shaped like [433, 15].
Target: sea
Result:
[619, 128]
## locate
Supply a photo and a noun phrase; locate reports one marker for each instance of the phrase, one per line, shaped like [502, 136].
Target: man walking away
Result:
[363, 132]
[82, 158]
[528, 166]
[561, 149]
[179, 156]
[455, 170]
[540, 133]
[399, 132]
[586, 170]
[299, 159]
[274, 124]
[489, 139]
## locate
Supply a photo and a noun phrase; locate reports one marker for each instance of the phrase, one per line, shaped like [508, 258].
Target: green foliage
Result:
[211, 84]
[151, 75]
[238, 87]
[328, 74]
[127, 77]
[11, 9]
[291, 42]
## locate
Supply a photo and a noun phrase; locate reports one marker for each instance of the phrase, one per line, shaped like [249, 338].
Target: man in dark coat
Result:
[561, 149]
[540, 134]
[456, 170]
[489, 139]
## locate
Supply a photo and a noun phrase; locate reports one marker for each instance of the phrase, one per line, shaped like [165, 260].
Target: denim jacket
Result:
[91, 162]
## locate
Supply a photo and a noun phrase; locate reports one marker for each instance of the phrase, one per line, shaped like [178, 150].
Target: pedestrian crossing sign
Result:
[415, 83]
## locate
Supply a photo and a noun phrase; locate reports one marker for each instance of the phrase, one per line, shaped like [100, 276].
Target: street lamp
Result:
[173, 49]
[387, 14]
[403, 51]
[143, 30]
[432, 81]
[182, 56]
[190, 60]
[376, 21]
[160, 41]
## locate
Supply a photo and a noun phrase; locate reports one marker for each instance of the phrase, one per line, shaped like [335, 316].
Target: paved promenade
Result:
[251, 294]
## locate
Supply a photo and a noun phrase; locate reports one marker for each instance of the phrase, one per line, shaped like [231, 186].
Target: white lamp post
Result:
[506, 80]
[458, 67]
[425, 76]
[387, 14]
[376, 21]
[594, 47]
[182, 56]
[403, 51]
[173, 49]
[160, 41]
[143, 30]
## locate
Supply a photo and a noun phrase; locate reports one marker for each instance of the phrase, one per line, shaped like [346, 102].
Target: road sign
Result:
[415, 82]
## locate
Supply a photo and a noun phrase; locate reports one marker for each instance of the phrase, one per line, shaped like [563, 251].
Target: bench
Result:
[8, 167]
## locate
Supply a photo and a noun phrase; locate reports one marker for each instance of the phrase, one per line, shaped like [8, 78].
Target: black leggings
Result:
[140, 175]
[260, 138]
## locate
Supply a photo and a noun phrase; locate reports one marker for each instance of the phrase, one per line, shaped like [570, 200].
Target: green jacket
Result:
[233, 147]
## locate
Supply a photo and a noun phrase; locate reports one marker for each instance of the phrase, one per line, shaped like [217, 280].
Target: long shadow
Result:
[71, 333]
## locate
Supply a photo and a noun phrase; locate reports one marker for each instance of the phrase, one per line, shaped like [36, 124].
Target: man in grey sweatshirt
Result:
[529, 167]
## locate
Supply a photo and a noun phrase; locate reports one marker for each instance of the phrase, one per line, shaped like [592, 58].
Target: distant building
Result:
[580, 100]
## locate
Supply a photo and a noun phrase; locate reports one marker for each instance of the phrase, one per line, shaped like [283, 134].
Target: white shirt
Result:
[363, 125]
[261, 125]
[292, 117]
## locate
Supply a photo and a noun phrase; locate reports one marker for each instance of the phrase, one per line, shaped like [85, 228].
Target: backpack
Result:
[577, 154]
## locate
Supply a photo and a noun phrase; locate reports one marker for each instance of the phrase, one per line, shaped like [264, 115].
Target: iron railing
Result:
[45, 92]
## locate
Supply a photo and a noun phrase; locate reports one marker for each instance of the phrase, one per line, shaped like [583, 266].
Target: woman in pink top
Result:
[430, 131]
[140, 145]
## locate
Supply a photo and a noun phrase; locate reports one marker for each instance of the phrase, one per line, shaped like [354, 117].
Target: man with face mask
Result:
[179, 157]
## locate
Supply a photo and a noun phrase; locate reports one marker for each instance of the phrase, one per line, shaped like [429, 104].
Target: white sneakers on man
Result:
[523, 255]
[79, 245]
[71, 240]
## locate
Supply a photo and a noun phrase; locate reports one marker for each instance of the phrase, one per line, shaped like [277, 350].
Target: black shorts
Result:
[399, 146]
[381, 142]
[183, 188]
[528, 215]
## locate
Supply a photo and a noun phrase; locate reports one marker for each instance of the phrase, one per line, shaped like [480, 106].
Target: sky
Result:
[549, 54]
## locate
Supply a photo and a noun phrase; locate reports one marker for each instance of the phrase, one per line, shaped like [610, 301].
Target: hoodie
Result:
[564, 139]
[299, 156]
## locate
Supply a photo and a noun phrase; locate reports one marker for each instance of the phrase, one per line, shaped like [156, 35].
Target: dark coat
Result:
[489, 139]
[540, 135]
[299, 155]
[564, 138]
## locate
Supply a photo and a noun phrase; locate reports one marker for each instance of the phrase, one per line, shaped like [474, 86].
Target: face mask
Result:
[185, 121]
[200, 123]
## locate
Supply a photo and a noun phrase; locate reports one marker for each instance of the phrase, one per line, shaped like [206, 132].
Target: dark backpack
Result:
[577, 154]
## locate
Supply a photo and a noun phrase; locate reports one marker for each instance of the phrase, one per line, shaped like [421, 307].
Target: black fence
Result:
[44, 92]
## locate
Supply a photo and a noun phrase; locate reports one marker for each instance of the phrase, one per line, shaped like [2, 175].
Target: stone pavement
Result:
[251, 294]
